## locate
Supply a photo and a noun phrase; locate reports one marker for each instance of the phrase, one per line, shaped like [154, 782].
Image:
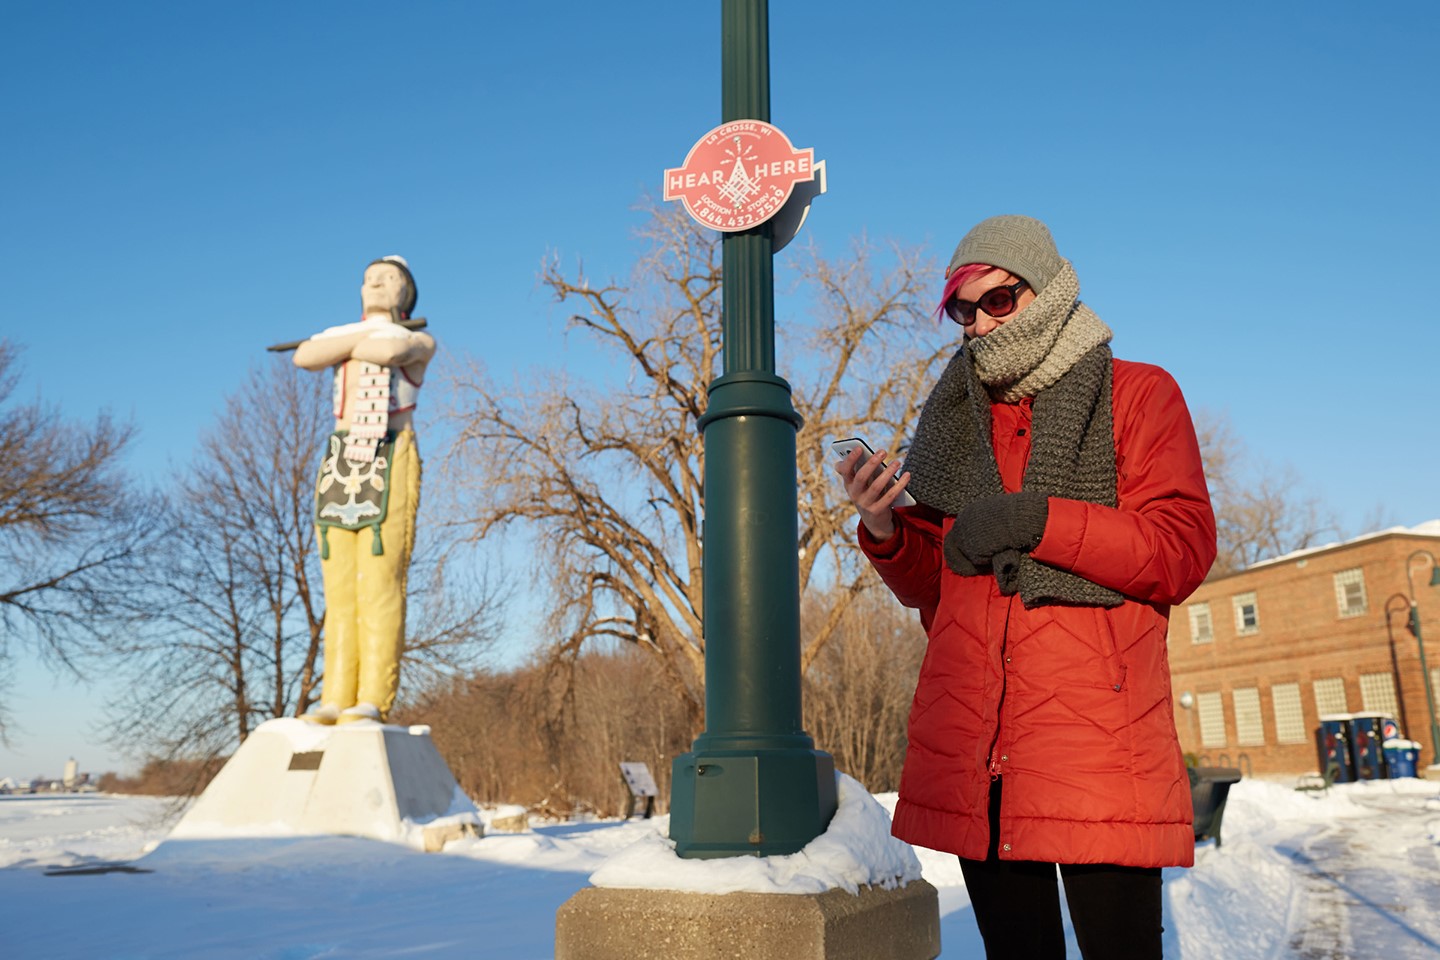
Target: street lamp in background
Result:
[1395, 656]
[1186, 700]
[1414, 627]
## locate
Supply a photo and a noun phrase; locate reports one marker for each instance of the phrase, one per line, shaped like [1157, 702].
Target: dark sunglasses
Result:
[997, 302]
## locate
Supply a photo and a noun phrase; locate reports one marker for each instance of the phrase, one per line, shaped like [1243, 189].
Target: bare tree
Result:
[481, 728]
[499, 735]
[876, 351]
[1261, 510]
[608, 479]
[858, 689]
[70, 521]
[229, 615]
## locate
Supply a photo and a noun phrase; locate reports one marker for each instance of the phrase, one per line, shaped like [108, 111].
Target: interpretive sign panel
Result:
[638, 779]
[642, 785]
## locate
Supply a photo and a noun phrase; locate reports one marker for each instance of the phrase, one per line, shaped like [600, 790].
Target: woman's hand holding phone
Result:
[874, 486]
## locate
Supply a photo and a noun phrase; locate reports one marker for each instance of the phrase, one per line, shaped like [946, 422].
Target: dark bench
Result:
[1209, 789]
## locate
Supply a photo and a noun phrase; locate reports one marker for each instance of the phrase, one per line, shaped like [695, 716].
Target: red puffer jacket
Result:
[1070, 704]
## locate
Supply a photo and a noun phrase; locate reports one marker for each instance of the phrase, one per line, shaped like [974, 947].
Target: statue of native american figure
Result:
[368, 491]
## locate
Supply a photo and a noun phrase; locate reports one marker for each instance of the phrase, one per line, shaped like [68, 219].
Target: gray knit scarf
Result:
[1057, 351]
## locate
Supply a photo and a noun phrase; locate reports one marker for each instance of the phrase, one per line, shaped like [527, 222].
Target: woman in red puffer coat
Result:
[1062, 510]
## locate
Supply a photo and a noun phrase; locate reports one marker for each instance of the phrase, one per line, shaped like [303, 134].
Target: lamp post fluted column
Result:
[753, 784]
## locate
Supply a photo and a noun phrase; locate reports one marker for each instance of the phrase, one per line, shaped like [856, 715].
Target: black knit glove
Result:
[994, 531]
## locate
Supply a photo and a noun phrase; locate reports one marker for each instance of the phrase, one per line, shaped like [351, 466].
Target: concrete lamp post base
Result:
[606, 923]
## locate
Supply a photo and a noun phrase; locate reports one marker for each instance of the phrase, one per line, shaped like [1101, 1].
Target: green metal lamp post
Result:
[753, 783]
[1414, 626]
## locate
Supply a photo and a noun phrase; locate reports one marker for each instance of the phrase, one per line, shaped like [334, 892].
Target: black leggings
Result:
[1115, 910]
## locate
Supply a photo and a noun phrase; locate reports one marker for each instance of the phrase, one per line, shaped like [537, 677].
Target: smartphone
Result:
[842, 450]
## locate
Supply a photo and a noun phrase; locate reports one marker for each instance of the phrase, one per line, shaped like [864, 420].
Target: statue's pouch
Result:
[351, 495]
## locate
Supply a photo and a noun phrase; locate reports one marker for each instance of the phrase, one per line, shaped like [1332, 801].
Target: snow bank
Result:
[1349, 873]
[855, 850]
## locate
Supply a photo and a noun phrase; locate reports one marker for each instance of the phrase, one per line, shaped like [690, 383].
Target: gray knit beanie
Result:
[1021, 245]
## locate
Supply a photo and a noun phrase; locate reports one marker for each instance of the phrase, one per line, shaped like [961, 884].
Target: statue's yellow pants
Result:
[365, 595]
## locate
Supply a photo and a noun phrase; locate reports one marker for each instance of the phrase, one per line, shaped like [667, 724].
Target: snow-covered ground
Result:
[1354, 873]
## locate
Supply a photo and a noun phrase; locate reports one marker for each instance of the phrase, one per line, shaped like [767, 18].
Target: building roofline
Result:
[1430, 529]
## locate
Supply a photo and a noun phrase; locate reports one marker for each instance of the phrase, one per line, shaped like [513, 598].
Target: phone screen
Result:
[842, 450]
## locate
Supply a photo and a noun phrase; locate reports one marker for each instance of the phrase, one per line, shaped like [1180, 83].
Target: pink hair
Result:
[961, 276]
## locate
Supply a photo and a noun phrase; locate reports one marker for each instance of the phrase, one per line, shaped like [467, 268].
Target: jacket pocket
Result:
[1114, 666]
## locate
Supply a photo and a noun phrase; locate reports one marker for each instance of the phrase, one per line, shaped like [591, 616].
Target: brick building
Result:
[1257, 656]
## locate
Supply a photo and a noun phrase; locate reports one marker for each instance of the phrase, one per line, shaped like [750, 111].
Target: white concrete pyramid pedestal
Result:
[366, 779]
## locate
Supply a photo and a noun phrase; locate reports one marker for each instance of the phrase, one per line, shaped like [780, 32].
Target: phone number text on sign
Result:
[739, 175]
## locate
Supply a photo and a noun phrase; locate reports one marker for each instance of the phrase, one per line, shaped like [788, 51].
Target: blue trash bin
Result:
[1332, 745]
[1367, 737]
[1402, 758]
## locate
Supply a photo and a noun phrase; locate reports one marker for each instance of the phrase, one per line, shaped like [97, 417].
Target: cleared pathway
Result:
[1368, 890]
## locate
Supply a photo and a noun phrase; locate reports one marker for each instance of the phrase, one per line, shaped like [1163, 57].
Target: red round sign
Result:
[739, 175]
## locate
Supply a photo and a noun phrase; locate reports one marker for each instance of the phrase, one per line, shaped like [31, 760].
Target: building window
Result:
[1350, 592]
[1212, 719]
[1247, 614]
[1200, 630]
[1248, 727]
[1289, 715]
[1330, 696]
[1377, 692]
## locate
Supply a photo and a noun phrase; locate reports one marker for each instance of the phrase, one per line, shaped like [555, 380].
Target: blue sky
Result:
[1247, 191]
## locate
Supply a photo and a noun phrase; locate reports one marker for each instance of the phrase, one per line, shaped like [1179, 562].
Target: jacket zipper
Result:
[994, 763]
